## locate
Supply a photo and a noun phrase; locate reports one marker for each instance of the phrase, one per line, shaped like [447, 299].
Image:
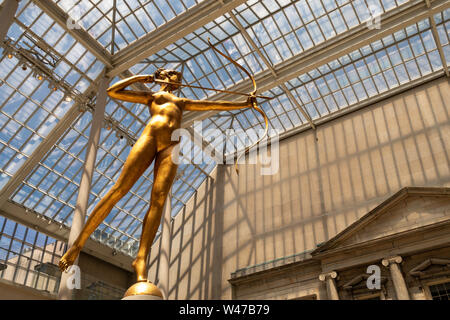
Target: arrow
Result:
[217, 90]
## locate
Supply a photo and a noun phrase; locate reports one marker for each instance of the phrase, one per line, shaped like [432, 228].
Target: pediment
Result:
[407, 210]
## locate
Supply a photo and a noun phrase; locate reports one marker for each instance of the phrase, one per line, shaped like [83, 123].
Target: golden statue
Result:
[155, 143]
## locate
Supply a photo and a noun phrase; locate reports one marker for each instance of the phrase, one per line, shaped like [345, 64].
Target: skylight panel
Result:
[384, 69]
[31, 103]
[130, 20]
[354, 78]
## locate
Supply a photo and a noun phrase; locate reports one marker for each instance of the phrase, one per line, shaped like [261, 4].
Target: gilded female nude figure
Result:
[155, 143]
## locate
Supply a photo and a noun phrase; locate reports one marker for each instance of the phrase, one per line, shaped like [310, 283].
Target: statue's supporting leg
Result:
[164, 174]
[139, 159]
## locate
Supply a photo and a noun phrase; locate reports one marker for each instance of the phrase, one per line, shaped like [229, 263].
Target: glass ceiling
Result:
[395, 60]
[34, 95]
[117, 23]
[30, 108]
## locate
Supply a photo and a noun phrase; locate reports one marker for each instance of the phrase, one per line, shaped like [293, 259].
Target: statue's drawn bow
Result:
[255, 106]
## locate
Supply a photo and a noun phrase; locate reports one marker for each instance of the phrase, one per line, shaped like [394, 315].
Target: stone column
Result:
[166, 244]
[397, 277]
[79, 215]
[331, 284]
[7, 16]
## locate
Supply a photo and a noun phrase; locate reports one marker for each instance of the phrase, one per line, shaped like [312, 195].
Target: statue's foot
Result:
[140, 267]
[69, 258]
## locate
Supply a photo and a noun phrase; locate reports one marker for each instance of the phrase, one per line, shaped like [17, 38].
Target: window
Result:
[440, 291]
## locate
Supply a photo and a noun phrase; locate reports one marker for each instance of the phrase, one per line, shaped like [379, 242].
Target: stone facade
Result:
[409, 259]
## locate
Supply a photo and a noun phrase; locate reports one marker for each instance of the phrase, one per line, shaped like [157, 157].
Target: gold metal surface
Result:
[155, 144]
[143, 288]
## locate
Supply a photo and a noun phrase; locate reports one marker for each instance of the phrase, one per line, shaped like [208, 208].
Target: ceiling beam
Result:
[370, 101]
[271, 68]
[439, 46]
[60, 232]
[170, 32]
[345, 43]
[45, 146]
[81, 35]
[31, 219]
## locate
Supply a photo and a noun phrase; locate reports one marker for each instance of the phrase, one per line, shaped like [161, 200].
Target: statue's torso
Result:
[166, 110]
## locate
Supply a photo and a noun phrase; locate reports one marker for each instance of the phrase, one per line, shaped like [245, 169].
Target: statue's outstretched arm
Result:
[205, 105]
[117, 91]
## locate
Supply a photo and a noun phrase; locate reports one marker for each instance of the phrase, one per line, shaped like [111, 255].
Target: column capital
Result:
[391, 260]
[331, 274]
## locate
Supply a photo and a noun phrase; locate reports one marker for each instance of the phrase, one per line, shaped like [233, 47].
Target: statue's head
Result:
[169, 75]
